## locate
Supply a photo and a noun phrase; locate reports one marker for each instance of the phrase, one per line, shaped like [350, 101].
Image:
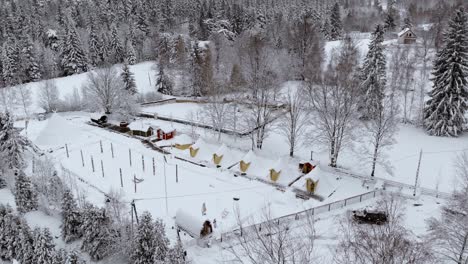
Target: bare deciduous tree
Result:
[449, 232]
[271, 242]
[294, 121]
[215, 111]
[25, 100]
[49, 96]
[389, 243]
[379, 133]
[105, 90]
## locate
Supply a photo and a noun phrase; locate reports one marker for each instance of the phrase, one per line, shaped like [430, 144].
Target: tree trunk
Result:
[374, 159]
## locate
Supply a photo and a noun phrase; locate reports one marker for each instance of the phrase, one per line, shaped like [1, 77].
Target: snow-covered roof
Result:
[165, 128]
[140, 125]
[326, 182]
[404, 31]
[189, 222]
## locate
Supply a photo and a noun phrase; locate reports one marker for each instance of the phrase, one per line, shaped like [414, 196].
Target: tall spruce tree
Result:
[128, 79]
[25, 193]
[161, 242]
[30, 66]
[144, 243]
[10, 59]
[73, 57]
[391, 17]
[98, 235]
[373, 76]
[130, 55]
[117, 51]
[71, 218]
[25, 252]
[44, 248]
[444, 114]
[9, 235]
[336, 27]
[95, 46]
[163, 83]
[12, 144]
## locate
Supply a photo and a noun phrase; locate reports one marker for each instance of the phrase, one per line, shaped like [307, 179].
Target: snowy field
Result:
[193, 186]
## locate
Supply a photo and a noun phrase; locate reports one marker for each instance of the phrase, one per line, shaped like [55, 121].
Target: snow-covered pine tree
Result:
[141, 20]
[130, 55]
[9, 233]
[44, 248]
[373, 76]
[25, 193]
[390, 19]
[59, 257]
[12, 144]
[116, 48]
[105, 47]
[74, 258]
[176, 254]
[161, 241]
[163, 83]
[25, 251]
[95, 46]
[73, 57]
[31, 70]
[444, 114]
[407, 23]
[336, 27]
[128, 79]
[10, 59]
[144, 242]
[98, 235]
[71, 218]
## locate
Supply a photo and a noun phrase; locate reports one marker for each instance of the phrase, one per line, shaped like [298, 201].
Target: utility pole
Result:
[165, 184]
[417, 173]
[311, 155]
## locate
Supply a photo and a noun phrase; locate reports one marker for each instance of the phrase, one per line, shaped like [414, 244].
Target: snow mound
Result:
[57, 132]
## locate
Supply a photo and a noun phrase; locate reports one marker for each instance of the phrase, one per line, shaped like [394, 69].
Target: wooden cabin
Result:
[162, 134]
[407, 36]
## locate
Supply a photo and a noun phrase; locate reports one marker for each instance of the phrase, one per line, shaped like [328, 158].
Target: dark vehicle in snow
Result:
[370, 217]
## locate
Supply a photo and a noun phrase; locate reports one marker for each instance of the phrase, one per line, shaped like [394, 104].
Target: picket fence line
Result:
[305, 213]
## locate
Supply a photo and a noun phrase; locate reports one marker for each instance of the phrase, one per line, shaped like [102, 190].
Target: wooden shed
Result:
[407, 36]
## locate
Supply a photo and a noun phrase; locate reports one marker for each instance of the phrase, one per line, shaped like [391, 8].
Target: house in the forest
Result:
[163, 133]
[407, 36]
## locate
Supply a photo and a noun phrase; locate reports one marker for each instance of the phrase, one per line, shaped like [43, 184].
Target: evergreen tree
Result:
[12, 144]
[73, 57]
[161, 241]
[9, 234]
[128, 79]
[373, 75]
[25, 252]
[73, 258]
[163, 83]
[336, 27]
[95, 47]
[59, 257]
[10, 61]
[44, 248]
[130, 57]
[25, 193]
[444, 114]
[390, 19]
[98, 235]
[71, 218]
[144, 243]
[181, 56]
[176, 255]
[116, 48]
[236, 79]
[30, 67]
[407, 23]
[141, 20]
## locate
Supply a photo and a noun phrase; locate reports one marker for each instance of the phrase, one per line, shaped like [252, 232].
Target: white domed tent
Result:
[57, 132]
[318, 182]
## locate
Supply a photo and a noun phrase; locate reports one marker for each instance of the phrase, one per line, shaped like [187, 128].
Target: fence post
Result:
[177, 173]
[66, 148]
[345, 202]
[92, 162]
[360, 198]
[143, 162]
[100, 144]
[374, 194]
[33, 164]
[121, 180]
[154, 168]
[313, 211]
[130, 156]
[82, 159]
[102, 168]
[112, 150]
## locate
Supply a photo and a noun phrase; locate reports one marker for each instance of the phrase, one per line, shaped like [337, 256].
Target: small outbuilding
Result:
[165, 134]
[198, 227]
[407, 36]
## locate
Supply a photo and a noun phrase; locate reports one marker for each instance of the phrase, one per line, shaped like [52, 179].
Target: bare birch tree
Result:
[449, 232]
[388, 243]
[379, 134]
[105, 90]
[293, 123]
[49, 96]
[275, 242]
[216, 111]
